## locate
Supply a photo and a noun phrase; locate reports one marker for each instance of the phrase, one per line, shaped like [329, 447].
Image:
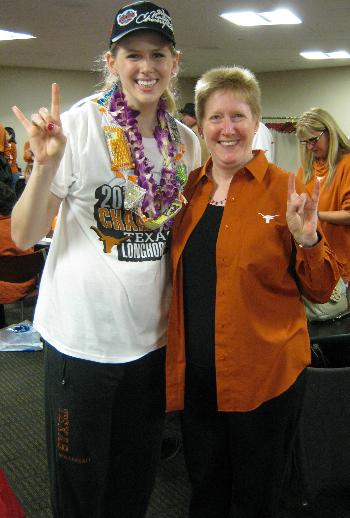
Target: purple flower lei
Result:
[158, 198]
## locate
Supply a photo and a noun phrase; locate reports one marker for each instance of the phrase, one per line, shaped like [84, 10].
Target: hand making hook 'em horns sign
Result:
[301, 213]
[46, 137]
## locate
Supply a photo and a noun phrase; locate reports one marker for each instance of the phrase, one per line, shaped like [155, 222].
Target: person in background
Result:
[28, 157]
[5, 170]
[263, 139]
[324, 151]
[12, 149]
[244, 248]
[115, 168]
[3, 140]
[20, 186]
[10, 291]
[188, 117]
[11, 154]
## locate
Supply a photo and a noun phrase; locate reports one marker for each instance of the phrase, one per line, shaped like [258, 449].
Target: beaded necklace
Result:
[156, 204]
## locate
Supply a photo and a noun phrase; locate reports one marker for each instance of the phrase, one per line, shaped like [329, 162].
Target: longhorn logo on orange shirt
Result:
[268, 217]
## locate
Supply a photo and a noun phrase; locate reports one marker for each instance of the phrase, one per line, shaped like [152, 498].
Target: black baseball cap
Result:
[142, 15]
[189, 109]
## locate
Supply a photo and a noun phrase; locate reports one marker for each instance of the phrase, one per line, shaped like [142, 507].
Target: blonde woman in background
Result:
[325, 155]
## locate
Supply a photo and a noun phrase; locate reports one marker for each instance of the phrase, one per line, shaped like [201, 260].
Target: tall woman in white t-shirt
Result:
[114, 168]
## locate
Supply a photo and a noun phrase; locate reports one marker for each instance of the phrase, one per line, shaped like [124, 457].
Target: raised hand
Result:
[301, 213]
[46, 137]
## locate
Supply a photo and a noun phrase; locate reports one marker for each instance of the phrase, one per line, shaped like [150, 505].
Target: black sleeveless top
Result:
[199, 267]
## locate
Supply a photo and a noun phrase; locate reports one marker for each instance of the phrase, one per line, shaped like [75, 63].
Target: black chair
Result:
[321, 473]
[330, 342]
[21, 268]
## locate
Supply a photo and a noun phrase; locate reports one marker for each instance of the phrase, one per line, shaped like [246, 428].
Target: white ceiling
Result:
[72, 33]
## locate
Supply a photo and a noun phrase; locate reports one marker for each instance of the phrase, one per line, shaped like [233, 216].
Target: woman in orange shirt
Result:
[243, 249]
[11, 155]
[5, 170]
[325, 154]
[11, 151]
[9, 291]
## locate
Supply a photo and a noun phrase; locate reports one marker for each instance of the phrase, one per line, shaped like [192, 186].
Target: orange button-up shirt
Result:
[335, 197]
[261, 338]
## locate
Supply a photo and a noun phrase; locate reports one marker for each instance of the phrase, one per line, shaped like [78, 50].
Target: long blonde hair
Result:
[109, 79]
[314, 121]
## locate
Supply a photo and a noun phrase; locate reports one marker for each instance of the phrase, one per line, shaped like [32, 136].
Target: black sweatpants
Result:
[237, 461]
[104, 427]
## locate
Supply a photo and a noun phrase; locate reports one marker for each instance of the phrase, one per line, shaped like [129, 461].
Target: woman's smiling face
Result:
[144, 62]
[228, 128]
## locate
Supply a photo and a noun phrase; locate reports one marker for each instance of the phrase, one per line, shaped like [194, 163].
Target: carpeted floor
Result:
[22, 447]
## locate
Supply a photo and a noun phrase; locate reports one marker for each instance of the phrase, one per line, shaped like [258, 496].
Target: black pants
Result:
[104, 427]
[237, 461]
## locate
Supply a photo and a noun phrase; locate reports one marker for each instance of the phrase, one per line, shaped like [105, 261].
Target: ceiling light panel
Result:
[339, 54]
[8, 35]
[317, 54]
[250, 18]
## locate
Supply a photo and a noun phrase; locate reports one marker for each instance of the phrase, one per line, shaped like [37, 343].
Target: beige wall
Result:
[292, 93]
[30, 88]
[284, 94]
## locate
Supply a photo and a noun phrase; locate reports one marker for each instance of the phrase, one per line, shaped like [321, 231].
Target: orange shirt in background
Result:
[11, 155]
[3, 141]
[27, 154]
[10, 291]
[332, 198]
[29, 159]
[261, 337]
[54, 221]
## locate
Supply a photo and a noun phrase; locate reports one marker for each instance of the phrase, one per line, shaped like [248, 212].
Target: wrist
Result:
[46, 166]
[307, 243]
[47, 169]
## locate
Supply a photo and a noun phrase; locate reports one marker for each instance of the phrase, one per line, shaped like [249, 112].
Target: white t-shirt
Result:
[105, 289]
[264, 140]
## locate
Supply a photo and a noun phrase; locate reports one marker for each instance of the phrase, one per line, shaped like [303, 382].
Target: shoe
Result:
[171, 446]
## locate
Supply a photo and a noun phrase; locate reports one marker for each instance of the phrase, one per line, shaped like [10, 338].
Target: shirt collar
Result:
[257, 167]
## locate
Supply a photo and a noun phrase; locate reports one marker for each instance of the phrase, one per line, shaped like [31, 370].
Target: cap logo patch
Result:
[158, 16]
[126, 17]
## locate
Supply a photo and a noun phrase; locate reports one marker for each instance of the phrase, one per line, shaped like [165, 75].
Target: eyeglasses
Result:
[313, 140]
